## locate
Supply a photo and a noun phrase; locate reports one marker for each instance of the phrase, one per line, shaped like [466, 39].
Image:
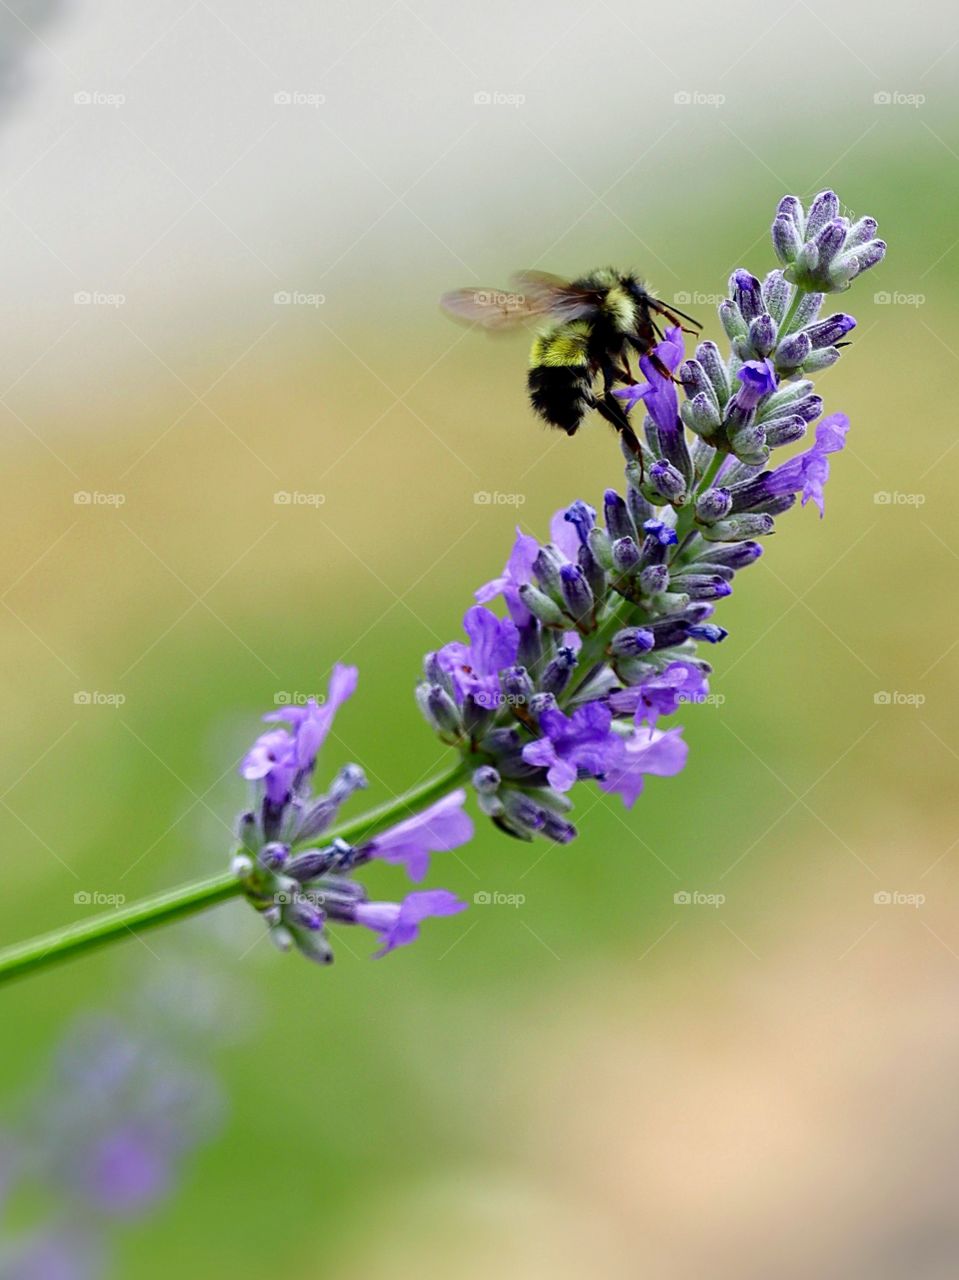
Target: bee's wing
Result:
[547, 294]
[532, 295]
[493, 309]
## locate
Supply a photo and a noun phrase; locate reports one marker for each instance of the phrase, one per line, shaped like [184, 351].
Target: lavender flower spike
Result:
[605, 619]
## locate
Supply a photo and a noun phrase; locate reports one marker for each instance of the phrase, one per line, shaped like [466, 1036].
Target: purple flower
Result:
[758, 378]
[313, 721]
[658, 392]
[661, 754]
[661, 694]
[563, 533]
[398, 923]
[438, 829]
[278, 756]
[583, 741]
[127, 1170]
[518, 570]
[58, 1254]
[475, 667]
[808, 472]
[272, 758]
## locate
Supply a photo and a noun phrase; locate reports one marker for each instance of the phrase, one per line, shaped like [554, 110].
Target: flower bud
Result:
[784, 431]
[746, 293]
[558, 671]
[792, 352]
[822, 359]
[714, 366]
[739, 528]
[703, 586]
[737, 556]
[540, 605]
[576, 593]
[701, 414]
[825, 333]
[625, 555]
[776, 295]
[654, 579]
[619, 523]
[762, 335]
[486, 780]
[667, 481]
[631, 642]
[730, 317]
[713, 505]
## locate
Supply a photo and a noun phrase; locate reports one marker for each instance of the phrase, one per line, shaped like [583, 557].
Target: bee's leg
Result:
[661, 369]
[609, 408]
[612, 410]
[674, 318]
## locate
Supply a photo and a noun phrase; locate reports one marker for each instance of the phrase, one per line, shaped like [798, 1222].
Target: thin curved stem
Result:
[189, 899]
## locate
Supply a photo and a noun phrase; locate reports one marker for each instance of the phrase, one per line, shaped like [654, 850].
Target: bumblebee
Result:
[589, 328]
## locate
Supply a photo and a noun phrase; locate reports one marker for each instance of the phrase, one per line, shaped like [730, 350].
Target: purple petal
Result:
[661, 754]
[438, 829]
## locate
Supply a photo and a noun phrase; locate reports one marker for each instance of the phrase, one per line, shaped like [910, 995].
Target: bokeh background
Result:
[599, 1078]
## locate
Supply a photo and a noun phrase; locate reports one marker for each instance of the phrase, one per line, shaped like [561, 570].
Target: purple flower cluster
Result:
[604, 620]
[301, 883]
[599, 634]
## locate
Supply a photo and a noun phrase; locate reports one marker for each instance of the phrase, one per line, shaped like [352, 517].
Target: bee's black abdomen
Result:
[560, 394]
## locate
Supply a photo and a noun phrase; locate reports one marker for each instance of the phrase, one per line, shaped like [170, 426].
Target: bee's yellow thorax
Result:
[621, 309]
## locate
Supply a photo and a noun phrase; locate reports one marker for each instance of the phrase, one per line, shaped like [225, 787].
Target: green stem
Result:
[189, 899]
[790, 314]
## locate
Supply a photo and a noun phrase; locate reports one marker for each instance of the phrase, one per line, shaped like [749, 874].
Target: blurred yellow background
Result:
[261, 205]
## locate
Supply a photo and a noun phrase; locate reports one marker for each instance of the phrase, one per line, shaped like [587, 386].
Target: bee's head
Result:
[635, 287]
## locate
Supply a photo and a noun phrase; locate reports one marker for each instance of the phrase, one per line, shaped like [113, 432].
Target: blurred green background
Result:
[599, 1078]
